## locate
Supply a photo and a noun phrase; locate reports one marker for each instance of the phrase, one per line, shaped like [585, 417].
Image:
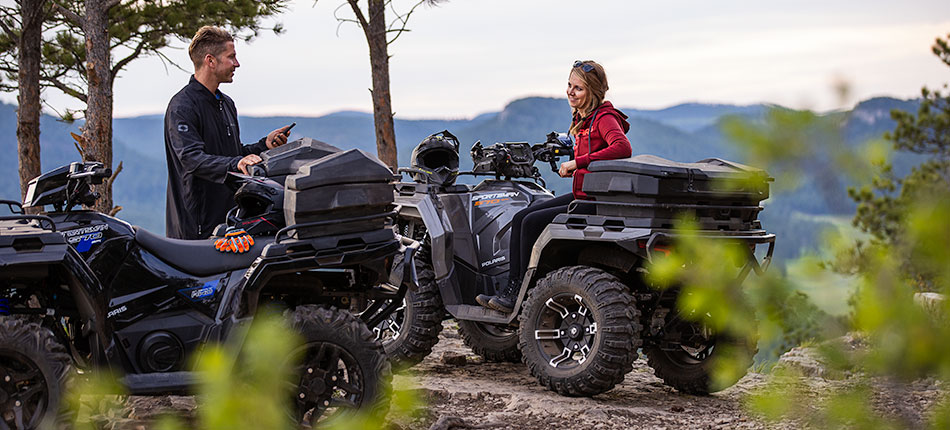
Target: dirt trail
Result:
[507, 396]
[472, 394]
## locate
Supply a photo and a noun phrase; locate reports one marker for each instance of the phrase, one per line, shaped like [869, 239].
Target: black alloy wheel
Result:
[685, 355]
[579, 331]
[34, 368]
[343, 368]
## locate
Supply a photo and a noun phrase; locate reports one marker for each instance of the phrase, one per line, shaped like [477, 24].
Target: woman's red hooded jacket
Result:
[604, 140]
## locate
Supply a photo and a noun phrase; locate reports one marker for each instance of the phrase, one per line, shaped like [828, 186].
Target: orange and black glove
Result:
[236, 241]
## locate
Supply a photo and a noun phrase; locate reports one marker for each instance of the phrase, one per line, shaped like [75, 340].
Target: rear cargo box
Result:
[344, 192]
[719, 194]
[287, 159]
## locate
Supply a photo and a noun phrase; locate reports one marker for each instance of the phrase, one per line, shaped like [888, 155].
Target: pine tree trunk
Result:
[97, 133]
[382, 105]
[28, 100]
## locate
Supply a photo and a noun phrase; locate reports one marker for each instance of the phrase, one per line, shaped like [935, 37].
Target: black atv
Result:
[80, 290]
[584, 308]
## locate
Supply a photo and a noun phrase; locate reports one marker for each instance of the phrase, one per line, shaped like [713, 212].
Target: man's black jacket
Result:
[202, 143]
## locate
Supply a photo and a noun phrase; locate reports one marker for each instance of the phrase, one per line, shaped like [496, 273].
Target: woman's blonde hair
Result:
[594, 78]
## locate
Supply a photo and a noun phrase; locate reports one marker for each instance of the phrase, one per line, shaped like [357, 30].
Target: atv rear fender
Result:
[571, 241]
[421, 207]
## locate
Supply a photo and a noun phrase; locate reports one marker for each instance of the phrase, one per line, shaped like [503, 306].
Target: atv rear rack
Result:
[752, 263]
[284, 233]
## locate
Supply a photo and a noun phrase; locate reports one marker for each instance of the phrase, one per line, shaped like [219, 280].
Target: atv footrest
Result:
[158, 383]
[477, 313]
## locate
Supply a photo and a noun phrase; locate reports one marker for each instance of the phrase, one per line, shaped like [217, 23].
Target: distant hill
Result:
[685, 132]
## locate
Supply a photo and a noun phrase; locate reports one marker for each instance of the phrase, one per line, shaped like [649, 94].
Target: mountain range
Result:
[685, 132]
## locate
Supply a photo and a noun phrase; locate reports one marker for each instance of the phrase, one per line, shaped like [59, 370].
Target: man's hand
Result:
[248, 161]
[277, 137]
[567, 168]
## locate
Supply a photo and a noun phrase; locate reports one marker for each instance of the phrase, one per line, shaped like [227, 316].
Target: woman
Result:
[599, 132]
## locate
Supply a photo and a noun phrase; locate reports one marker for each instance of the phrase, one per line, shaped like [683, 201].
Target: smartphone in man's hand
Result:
[287, 131]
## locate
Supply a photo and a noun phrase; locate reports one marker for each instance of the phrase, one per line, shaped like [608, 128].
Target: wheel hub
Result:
[570, 343]
[23, 393]
[330, 379]
[576, 332]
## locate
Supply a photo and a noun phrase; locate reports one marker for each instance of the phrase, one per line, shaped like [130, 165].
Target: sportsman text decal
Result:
[493, 198]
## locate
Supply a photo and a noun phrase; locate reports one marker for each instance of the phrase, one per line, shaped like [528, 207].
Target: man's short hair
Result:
[208, 40]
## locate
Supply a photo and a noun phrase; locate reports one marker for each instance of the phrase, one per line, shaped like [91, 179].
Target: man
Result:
[203, 141]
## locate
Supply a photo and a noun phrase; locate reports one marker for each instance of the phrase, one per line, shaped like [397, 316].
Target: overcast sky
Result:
[472, 56]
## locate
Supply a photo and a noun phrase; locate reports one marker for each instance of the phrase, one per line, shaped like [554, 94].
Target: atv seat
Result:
[198, 257]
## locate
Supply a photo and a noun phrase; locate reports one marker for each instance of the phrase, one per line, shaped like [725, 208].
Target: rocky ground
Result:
[462, 392]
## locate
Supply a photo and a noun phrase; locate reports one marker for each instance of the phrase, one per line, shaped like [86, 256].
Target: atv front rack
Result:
[16, 208]
[43, 220]
[11, 204]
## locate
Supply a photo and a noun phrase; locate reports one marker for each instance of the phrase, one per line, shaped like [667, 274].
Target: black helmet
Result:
[259, 209]
[438, 157]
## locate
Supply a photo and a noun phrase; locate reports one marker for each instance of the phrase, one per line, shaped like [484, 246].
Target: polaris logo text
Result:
[493, 261]
[116, 311]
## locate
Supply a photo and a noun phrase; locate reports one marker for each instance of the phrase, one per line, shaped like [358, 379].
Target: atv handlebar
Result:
[410, 170]
[94, 171]
[556, 146]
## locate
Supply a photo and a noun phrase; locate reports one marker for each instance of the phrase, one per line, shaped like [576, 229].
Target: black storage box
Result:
[344, 192]
[719, 194]
[285, 160]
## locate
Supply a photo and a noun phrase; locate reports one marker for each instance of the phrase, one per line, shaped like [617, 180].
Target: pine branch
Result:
[66, 89]
[9, 31]
[122, 63]
[71, 16]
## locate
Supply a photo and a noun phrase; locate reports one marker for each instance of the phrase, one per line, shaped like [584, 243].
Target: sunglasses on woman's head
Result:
[587, 68]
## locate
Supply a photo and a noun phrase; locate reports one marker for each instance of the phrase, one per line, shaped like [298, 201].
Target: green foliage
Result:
[907, 218]
[706, 271]
[143, 28]
[136, 29]
[247, 385]
[86, 399]
[884, 203]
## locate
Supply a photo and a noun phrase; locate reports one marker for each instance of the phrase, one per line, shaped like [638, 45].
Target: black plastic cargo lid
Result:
[352, 166]
[657, 166]
[286, 159]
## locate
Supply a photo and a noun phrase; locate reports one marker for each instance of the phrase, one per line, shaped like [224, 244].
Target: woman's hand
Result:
[567, 168]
